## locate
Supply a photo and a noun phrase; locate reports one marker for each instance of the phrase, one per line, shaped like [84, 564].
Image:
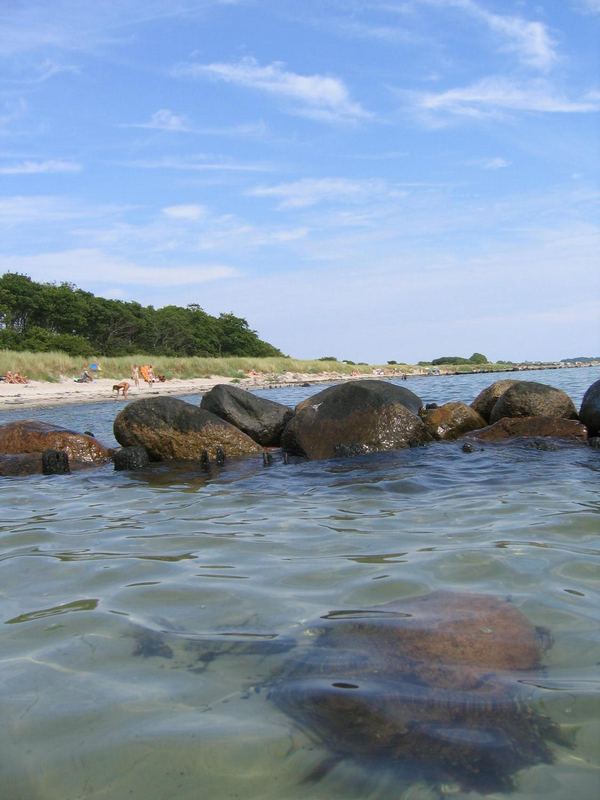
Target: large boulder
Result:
[485, 400]
[261, 419]
[172, 429]
[589, 413]
[531, 399]
[451, 420]
[355, 418]
[511, 428]
[32, 436]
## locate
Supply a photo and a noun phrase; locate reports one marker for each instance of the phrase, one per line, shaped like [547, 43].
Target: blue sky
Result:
[370, 179]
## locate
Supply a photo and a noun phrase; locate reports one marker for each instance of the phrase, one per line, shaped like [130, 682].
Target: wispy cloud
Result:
[530, 41]
[163, 120]
[311, 191]
[493, 96]
[90, 264]
[167, 120]
[199, 163]
[39, 167]
[320, 97]
[493, 163]
[187, 213]
[590, 6]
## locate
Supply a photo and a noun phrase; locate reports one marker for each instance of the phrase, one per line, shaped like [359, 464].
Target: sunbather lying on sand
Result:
[15, 377]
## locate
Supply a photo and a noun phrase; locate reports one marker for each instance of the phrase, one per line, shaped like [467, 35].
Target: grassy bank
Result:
[55, 366]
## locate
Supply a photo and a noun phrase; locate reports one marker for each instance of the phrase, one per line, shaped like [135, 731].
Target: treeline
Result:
[43, 317]
[476, 358]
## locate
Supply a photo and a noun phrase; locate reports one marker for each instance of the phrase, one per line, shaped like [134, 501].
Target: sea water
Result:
[100, 569]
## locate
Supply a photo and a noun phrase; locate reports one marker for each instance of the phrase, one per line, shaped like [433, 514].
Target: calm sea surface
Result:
[95, 563]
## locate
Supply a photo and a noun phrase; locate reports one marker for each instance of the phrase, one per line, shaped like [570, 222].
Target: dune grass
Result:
[56, 366]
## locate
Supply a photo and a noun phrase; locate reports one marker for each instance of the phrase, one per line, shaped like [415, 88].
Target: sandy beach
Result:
[41, 393]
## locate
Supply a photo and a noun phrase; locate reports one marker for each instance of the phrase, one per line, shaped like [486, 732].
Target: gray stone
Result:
[531, 399]
[261, 419]
[589, 413]
[355, 418]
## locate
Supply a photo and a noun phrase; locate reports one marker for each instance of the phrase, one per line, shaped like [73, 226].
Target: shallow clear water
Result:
[253, 554]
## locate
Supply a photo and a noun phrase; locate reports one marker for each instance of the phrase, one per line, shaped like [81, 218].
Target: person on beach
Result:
[95, 368]
[135, 376]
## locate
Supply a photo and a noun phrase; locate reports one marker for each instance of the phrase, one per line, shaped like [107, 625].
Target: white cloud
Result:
[40, 209]
[493, 163]
[39, 167]
[310, 192]
[90, 264]
[529, 40]
[199, 163]
[164, 120]
[186, 213]
[317, 96]
[591, 6]
[496, 95]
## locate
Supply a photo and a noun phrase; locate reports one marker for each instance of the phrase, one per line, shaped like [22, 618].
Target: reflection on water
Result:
[212, 579]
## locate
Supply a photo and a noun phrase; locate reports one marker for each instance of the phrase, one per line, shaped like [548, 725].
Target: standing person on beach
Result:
[135, 375]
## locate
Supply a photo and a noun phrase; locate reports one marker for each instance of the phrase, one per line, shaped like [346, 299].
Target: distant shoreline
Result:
[36, 394]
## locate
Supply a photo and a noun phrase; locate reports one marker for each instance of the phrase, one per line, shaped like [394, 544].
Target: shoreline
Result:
[39, 394]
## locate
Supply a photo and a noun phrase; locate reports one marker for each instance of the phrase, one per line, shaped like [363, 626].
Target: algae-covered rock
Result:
[171, 429]
[355, 418]
[451, 420]
[532, 399]
[486, 399]
[32, 436]
[526, 427]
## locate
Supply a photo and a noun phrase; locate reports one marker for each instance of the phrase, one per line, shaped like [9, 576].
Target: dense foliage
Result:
[476, 358]
[42, 317]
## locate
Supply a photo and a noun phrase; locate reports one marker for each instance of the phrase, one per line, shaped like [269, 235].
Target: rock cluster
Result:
[349, 419]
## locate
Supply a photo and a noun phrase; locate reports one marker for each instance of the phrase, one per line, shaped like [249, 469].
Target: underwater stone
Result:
[435, 682]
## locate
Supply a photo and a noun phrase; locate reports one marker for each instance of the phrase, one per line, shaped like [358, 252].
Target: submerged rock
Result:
[589, 413]
[451, 420]
[355, 418]
[20, 464]
[261, 419]
[171, 429]
[507, 428]
[434, 682]
[32, 436]
[531, 399]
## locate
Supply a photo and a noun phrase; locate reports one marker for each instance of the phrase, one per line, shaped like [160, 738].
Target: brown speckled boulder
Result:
[485, 400]
[31, 436]
[355, 418]
[511, 428]
[451, 420]
[532, 399]
[171, 429]
[435, 683]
